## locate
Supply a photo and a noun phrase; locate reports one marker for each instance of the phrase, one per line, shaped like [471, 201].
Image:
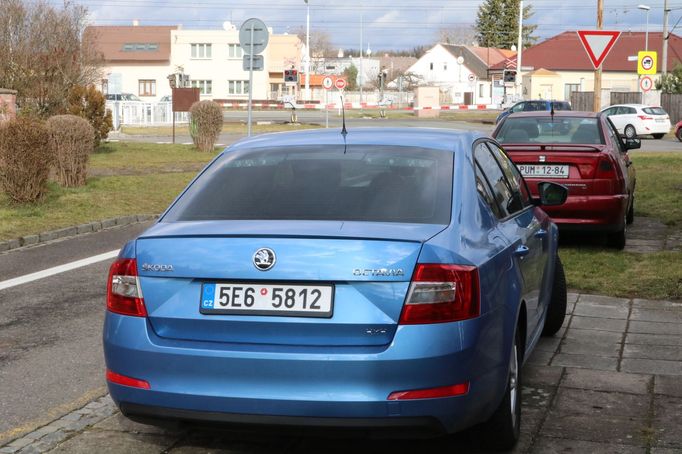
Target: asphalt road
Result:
[318, 117]
[50, 329]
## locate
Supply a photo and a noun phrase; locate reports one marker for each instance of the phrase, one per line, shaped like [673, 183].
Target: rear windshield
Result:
[364, 183]
[573, 130]
[654, 111]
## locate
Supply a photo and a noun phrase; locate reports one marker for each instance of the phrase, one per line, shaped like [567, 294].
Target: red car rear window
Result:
[548, 130]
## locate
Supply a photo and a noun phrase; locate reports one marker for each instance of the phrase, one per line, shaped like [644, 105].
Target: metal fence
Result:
[672, 103]
[136, 113]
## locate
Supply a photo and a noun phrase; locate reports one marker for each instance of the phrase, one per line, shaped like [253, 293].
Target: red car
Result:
[678, 131]
[584, 152]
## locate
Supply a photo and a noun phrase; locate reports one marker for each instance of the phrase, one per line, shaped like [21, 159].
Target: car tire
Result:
[617, 239]
[658, 136]
[678, 134]
[630, 132]
[630, 218]
[502, 430]
[556, 311]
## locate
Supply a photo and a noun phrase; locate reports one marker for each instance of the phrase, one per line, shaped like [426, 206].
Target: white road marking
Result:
[57, 269]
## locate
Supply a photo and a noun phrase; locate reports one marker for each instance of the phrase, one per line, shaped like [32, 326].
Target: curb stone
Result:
[50, 435]
[51, 235]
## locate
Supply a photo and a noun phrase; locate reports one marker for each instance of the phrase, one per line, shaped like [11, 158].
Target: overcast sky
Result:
[386, 24]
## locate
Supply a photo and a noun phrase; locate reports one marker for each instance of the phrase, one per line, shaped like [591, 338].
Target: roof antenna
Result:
[343, 110]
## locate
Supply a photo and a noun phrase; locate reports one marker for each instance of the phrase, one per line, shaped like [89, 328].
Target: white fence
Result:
[136, 113]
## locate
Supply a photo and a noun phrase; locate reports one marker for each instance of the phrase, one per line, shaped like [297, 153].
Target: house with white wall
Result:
[136, 59]
[463, 73]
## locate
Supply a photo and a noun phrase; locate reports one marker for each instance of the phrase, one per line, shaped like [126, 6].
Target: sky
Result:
[383, 24]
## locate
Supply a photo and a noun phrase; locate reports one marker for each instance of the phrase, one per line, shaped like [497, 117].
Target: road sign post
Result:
[327, 83]
[253, 37]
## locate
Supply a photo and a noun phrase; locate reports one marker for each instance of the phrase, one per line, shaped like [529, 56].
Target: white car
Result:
[634, 120]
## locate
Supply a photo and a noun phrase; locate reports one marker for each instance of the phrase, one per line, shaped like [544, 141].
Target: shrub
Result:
[71, 140]
[25, 159]
[89, 103]
[207, 122]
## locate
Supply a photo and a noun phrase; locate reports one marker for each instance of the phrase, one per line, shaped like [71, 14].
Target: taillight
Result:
[119, 379]
[605, 169]
[431, 393]
[124, 295]
[442, 293]
[644, 117]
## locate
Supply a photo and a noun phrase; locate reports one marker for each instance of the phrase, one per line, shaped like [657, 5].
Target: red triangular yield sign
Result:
[598, 44]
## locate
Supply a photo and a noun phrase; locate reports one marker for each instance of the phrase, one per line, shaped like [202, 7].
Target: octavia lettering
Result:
[378, 272]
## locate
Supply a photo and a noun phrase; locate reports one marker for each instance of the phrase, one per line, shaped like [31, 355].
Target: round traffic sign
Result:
[646, 83]
[327, 83]
[340, 83]
[647, 63]
[253, 36]
[472, 77]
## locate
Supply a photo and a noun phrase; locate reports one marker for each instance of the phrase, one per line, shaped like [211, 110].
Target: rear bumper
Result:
[655, 128]
[394, 427]
[597, 213]
[321, 386]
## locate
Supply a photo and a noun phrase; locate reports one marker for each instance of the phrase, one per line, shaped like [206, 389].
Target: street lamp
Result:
[646, 34]
[307, 50]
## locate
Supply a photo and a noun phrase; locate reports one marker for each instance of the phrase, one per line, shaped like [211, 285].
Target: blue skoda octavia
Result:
[380, 279]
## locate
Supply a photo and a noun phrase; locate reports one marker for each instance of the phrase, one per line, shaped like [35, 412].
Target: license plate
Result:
[249, 298]
[543, 171]
[660, 120]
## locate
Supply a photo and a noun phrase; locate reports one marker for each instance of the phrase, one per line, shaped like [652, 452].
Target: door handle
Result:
[541, 233]
[522, 251]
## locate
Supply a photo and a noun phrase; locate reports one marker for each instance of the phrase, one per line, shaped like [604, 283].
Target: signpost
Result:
[327, 83]
[598, 44]
[253, 38]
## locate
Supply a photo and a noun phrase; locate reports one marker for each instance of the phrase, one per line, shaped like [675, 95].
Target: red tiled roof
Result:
[110, 40]
[564, 52]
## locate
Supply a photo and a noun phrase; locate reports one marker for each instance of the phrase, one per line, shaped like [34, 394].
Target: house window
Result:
[234, 51]
[570, 88]
[140, 47]
[205, 86]
[201, 51]
[431, 66]
[146, 87]
[238, 87]
[445, 66]
[105, 86]
[481, 90]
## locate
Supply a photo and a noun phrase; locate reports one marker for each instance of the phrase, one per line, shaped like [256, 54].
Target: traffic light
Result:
[291, 76]
[509, 75]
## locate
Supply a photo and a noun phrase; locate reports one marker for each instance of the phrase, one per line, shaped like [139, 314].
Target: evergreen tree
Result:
[497, 24]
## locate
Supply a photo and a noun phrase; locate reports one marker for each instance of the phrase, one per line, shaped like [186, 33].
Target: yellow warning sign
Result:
[646, 62]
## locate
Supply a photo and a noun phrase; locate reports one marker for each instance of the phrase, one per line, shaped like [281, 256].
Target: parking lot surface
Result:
[609, 382]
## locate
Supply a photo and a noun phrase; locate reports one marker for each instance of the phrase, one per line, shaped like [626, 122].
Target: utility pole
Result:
[597, 73]
[361, 78]
[307, 51]
[664, 58]
[519, 51]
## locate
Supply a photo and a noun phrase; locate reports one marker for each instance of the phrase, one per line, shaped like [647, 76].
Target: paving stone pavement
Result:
[609, 382]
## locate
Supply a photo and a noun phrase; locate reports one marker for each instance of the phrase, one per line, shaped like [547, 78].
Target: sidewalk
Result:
[609, 382]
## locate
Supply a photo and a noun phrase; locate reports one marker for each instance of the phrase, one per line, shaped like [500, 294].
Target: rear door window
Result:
[495, 177]
[360, 183]
[654, 111]
[520, 194]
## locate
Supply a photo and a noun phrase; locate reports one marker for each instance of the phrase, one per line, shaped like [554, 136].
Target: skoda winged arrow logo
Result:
[264, 259]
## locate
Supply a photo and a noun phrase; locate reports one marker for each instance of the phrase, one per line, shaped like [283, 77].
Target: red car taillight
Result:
[124, 295]
[442, 293]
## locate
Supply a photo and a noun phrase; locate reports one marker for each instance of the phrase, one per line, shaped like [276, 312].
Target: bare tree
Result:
[464, 35]
[320, 43]
[43, 53]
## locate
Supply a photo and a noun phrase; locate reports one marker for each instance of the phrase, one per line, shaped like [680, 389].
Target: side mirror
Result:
[632, 144]
[551, 194]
